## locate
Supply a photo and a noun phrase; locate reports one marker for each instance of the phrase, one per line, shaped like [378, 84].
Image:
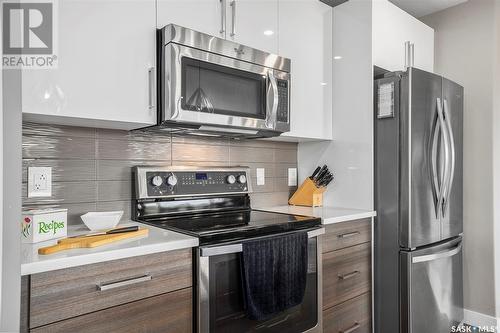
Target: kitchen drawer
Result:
[346, 274]
[353, 316]
[344, 234]
[167, 313]
[72, 292]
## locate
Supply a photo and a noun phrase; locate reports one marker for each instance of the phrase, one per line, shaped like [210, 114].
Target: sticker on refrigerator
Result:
[386, 100]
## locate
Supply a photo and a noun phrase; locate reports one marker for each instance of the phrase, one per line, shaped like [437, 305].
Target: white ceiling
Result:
[419, 8]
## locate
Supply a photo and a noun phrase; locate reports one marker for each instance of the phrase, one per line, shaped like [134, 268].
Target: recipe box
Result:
[43, 224]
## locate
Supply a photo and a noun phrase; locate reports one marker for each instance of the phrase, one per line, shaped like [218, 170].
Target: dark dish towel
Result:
[274, 274]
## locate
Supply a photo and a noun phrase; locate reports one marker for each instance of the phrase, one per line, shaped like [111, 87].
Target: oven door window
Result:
[226, 300]
[212, 88]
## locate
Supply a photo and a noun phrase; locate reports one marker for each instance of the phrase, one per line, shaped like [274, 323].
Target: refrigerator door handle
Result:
[451, 164]
[446, 142]
[434, 168]
[439, 255]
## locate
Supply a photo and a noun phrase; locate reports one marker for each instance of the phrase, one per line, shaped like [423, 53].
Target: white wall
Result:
[350, 154]
[464, 52]
[496, 158]
[10, 197]
[10, 242]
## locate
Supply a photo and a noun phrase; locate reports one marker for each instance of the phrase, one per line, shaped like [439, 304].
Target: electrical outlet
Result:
[39, 182]
[261, 176]
[292, 176]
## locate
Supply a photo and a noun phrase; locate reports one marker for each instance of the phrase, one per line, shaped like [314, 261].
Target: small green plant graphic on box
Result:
[26, 227]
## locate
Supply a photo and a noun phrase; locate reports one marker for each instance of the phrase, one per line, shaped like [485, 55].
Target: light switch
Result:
[261, 176]
[39, 182]
[292, 176]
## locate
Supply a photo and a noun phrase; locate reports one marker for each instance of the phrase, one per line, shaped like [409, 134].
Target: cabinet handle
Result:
[152, 85]
[412, 55]
[233, 18]
[222, 16]
[349, 234]
[409, 54]
[348, 275]
[113, 285]
[351, 329]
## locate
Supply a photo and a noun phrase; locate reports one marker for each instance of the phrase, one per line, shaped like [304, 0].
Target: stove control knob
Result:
[172, 180]
[231, 179]
[242, 179]
[157, 181]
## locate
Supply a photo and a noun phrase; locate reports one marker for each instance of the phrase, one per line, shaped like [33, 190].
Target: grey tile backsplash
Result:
[91, 168]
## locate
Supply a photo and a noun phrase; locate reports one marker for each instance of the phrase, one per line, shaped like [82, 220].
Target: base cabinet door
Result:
[352, 316]
[167, 313]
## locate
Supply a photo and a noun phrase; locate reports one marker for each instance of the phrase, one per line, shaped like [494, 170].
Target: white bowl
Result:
[101, 220]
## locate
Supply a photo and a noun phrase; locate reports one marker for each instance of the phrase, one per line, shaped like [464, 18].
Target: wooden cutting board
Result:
[90, 241]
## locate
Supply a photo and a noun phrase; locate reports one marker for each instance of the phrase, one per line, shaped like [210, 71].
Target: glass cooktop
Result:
[233, 225]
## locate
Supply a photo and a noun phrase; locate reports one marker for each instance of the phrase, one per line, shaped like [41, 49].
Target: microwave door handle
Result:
[272, 99]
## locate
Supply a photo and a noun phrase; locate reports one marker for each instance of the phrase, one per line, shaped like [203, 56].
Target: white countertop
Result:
[328, 214]
[158, 240]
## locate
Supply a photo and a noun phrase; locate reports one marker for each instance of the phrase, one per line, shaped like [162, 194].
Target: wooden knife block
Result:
[308, 194]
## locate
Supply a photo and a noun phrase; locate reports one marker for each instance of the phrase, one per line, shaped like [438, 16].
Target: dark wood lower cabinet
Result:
[346, 274]
[144, 294]
[72, 292]
[347, 277]
[167, 313]
[353, 316]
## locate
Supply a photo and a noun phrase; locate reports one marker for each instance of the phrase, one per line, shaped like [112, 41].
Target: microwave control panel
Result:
[282, 115]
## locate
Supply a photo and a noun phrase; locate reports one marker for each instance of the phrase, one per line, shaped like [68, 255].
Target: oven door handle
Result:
[236, 248]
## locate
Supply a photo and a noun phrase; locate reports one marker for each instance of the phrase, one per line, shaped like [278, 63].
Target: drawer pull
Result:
[349, 234]
[351, 329]
[122, 283]
[348, 275]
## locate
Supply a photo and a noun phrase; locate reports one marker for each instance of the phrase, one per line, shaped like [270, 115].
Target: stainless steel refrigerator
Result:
[418, 197]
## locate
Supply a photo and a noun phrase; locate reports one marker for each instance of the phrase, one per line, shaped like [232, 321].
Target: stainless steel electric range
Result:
[213, 204]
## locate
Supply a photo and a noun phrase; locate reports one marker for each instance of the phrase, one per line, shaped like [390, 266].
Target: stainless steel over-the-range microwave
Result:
[209, 85]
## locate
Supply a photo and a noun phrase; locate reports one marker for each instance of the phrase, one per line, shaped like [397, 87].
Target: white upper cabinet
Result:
[392, 27]
[249, 22]
[305, 29]
[253, 23]
[106, 49]
[205, 16]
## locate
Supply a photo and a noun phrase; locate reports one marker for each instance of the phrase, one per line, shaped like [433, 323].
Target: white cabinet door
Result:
[205, 16]
[392, 27]
[105, 51]
[253, 23]
[305, 28]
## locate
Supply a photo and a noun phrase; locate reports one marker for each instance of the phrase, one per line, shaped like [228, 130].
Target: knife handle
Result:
[121, 230]
[315, 172]
[320, 174]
